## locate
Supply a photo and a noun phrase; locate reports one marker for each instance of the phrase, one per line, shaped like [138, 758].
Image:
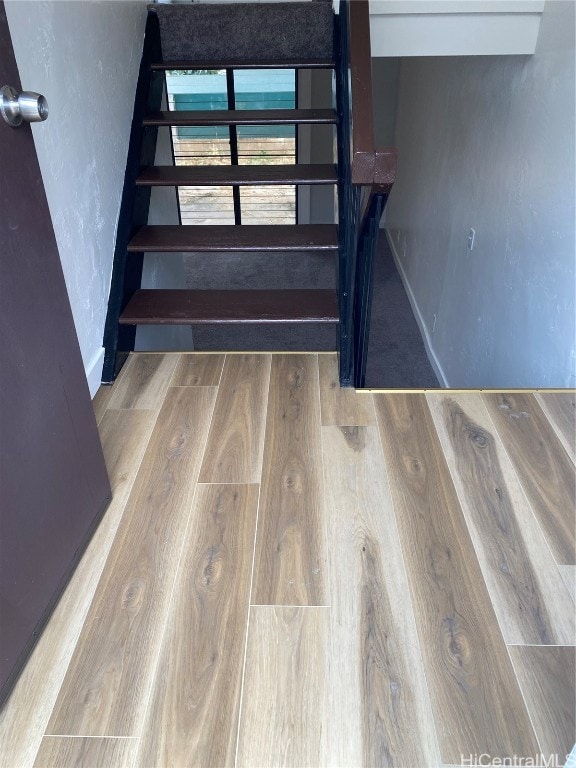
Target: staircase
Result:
[293, 35]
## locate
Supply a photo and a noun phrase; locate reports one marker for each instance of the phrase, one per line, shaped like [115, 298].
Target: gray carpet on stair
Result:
[269, 337]
[261, 271]
[246, 31]
[397, 358]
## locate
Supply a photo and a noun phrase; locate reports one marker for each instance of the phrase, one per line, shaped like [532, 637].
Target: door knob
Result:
[17, 108]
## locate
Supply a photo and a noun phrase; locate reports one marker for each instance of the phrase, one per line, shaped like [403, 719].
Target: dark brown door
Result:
[53, 481]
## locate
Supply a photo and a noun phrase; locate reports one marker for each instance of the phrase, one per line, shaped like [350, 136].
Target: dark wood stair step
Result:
[242, 117]
[186, 307]
[187, 64]
[236, 175]
[276, 237]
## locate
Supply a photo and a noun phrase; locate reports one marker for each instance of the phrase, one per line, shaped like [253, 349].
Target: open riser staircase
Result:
[295, 35]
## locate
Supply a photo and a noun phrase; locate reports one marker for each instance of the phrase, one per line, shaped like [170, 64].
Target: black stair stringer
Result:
[127, 273]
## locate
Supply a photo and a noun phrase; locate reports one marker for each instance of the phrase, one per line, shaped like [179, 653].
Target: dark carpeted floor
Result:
[397, 357]
[396, 354]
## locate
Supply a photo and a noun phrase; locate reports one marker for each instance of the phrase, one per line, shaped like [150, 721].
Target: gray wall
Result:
[84, 57]
[488, 143]
[385, 76]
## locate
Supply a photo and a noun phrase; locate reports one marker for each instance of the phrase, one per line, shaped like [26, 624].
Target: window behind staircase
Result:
[245, 145]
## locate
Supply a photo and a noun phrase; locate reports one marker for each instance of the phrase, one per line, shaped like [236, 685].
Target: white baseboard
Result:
[94, 372]
[434, 362]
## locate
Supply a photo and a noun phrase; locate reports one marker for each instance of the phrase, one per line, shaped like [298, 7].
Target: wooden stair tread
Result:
[186, 307]
[308, 63]
[274, 237]
[227, 175]
[242, 117]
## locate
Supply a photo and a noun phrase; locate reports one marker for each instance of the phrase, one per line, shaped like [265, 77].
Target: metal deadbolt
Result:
[16, 108]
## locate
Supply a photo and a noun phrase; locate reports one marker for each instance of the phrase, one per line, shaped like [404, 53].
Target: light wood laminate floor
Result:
[291, 574]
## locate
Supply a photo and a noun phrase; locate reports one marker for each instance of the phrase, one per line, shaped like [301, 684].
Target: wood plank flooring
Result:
[374, 662]
[561, 412]
[341, 407]
[196, 371]
[145, 386]
[236, 442]
[476, 700]
[282, 713]
[125, 436]
[568, 573]
[543, 467]
[294, 575]
[523, 581]
[546, 676]
[290, 546]
[108, 680]
[193, 712]
[96, 753]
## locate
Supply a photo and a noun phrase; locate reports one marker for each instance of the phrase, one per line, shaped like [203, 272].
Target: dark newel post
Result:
[367, 247]
[348, 202]
[362, 167]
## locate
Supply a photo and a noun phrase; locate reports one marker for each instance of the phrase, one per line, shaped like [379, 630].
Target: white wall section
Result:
[84, 58]
[488, 143]
[454, 27]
